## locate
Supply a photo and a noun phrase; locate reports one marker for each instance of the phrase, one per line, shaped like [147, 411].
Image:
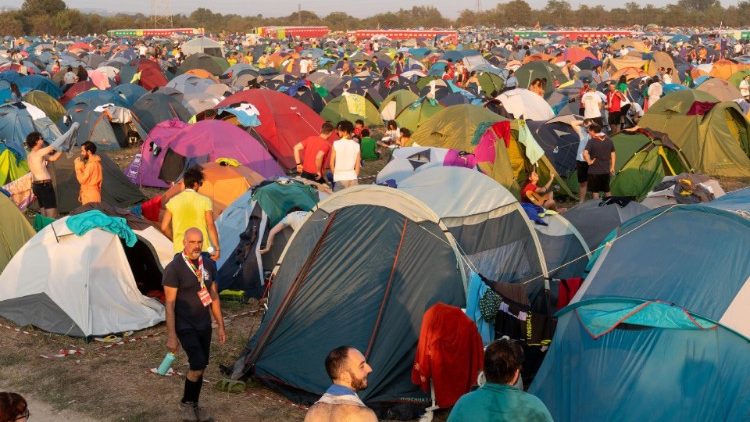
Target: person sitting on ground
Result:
[405, 137]
[348, 370]
[392, 134]
[498, 400]
[368, 147]
[294, 219]
[538, 195]
[13, 408]
[359, 124]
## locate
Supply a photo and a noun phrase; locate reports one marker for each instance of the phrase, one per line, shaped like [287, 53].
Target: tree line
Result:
[55, 18]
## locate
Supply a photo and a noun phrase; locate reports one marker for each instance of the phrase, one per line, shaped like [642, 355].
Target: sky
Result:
[358, 8]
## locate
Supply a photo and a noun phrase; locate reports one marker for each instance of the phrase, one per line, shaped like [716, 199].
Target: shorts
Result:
[343, 184]
[312, 177]
[615, 117]
[45, 194]
[197, 346]
[598, 183]
[582, 168]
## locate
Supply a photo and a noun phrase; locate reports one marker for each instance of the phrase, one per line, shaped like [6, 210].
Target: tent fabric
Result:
[582, 377]
[285, 121]
[204, 141]
[15, 230]
[101, 296]
[154, 108]
[278, 198]
[594, 219]
[202, 45]
[11, 168]
[339, 109]
[454, 127]
[524, 104]
[409, 264]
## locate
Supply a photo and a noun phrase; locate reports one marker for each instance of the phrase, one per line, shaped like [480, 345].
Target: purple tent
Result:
[173, 144]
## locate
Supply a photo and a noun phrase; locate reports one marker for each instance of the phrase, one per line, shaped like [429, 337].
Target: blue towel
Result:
[80, 224]
[476, 290]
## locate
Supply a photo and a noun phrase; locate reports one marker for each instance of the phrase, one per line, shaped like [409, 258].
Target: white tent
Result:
[202, 45]
[86, 285]
[524, 104]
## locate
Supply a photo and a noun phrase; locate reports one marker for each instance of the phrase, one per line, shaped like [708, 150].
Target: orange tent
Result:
[204, 74]
[576, 54]
[630, 73]
[538, 56]
[222, 183]
[724, 68]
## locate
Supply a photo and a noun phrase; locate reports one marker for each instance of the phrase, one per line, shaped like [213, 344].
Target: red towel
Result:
[151, 208]
[568, 288]
[449, 352]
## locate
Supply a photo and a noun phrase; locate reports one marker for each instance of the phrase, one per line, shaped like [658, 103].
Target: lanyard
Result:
[197, 271]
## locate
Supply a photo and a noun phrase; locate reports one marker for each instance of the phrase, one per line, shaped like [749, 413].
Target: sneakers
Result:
[191, 412]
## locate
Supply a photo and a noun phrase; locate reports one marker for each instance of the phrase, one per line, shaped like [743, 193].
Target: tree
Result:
[558, 12]
[518, 12]
[11, 23]
[698, 5]
[43, 7]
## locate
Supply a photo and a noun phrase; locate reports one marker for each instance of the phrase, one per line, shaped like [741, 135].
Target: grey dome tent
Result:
[594, 219]
[362, 270]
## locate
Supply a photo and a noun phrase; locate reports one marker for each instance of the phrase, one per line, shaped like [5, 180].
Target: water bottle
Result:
[166, 363]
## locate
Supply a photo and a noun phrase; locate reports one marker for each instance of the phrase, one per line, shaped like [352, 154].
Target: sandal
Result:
[231, 386]
[108, 339]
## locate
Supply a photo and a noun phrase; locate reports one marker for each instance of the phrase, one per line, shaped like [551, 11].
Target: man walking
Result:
[315, 148]
[40, 153]
[345, 157]
[600, 156]
[348, 370]
[191, 209]
[191, 296]
[88, 169]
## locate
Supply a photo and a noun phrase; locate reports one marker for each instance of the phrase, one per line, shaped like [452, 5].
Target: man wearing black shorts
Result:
[600, 157]
[191, 296]
[40, 153]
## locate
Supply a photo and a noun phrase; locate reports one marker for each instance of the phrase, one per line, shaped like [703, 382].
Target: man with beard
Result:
[191, 296]
[348, 369]
[88, 169]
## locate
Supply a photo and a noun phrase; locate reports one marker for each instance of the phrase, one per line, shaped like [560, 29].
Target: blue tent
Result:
[129, 92]
[660, 330]
[16, 123]
[27, 83]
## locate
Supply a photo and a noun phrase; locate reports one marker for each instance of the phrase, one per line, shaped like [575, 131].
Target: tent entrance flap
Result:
[145, 266]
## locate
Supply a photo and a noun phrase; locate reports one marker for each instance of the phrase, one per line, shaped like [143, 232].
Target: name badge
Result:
[205, 297]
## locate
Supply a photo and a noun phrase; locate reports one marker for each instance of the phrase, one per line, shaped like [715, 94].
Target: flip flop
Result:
[231, 386]
[109, 339]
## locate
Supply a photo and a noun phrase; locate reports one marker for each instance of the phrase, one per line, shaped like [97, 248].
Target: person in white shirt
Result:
[305, 64]
[345, 157]
[668, 76]
[745, 88]
[592, 104]
[655, 91]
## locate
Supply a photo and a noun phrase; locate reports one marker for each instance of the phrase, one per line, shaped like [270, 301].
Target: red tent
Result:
[284, 121]
[76, 89]
[577, 54]
[151, 75]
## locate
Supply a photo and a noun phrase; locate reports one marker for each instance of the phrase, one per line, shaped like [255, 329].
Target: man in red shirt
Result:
[614, 107]
[315, 149]
[541, 196]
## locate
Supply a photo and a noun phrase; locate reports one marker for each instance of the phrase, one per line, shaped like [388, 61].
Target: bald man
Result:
[348, 369]
[191, 296]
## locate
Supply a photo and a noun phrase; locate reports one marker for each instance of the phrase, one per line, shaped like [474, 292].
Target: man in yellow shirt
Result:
[191, 209]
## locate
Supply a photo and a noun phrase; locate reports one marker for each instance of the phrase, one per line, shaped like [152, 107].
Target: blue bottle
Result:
[166, 363]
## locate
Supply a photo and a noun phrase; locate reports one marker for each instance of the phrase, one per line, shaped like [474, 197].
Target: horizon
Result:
[322, 8]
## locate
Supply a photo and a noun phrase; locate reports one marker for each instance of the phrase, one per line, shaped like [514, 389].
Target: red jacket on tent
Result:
[449, 352]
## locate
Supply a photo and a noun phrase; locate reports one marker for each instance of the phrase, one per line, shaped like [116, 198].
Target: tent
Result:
[524, 104]
[352, 107]
[362, 270]
[454, 127]
[595, 219]
[721, 89]
[11, 167]
[202, 45]
[489, 225]
[48, 104]
[15, 230]
[714, 136]
[117, 190]
[643, 159]
[243, 228]
[102, 294]
[560, 140]
[405, 161]
[396, 102]
[212, 64]
[658, 331]
[173, 146]
[417, 112]
[540, 70]
[284, 121]
[154, 108]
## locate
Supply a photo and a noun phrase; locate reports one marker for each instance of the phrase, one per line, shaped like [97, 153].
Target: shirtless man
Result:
[40, 153]
[348, 370]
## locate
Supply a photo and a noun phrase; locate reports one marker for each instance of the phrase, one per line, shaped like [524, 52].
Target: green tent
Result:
[50, 106]
[454, 127]
[11, 168]
[417, 112]
[351, 107]
[15, 230]
[212, 64]
[540, 70]
[425, 80]
[737, 77]
[713, 136]
[490, 82]
[643, 159]
[278, 198]
[395, 103]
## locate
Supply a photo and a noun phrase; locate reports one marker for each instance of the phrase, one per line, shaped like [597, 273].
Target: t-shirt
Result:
[304, 66]
[314, 144]
[367, 148]
[189, 312]
[347, 151]
[295, 219]
[499, 403]
[601, 151]
[613, 101]
[591, 103]
[745, 88]
[188, 210]
[530, 187]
